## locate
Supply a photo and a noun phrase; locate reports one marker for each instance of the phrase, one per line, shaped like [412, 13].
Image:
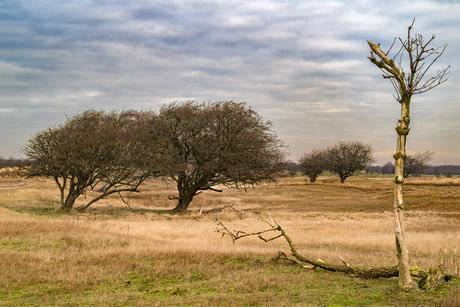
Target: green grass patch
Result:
[239, 283]
[47, 210]
[31, 244]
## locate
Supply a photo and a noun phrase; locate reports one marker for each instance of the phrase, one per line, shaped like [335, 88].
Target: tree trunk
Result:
[186, 194]
[70, 200]
[183, 202]
[75, 190]
[405, 280]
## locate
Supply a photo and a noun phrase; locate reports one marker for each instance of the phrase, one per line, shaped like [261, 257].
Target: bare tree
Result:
[416, 164]
[419, 57]
[313, 164]
[223, 143]
[388, 168]
[291, 168]
[348, 158]
[88, 149]
[371, 169]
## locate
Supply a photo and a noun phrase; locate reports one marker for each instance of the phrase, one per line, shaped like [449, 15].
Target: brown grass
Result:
[111, 246]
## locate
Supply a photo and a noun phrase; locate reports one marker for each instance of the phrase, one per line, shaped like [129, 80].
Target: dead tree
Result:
[420, 57]
[427, 278]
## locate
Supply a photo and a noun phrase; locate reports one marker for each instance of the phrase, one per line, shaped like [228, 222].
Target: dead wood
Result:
[427, 278]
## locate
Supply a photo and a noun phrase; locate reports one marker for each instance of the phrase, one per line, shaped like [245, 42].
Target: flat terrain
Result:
[146, 255]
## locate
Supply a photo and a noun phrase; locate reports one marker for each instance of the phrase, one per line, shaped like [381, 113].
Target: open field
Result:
[111, 255]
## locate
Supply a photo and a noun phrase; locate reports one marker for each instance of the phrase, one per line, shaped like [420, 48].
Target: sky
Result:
[300, 64]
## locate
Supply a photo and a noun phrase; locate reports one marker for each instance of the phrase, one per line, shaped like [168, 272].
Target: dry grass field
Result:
[111, 255]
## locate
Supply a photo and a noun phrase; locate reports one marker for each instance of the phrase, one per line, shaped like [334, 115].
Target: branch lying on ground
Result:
[428, 278]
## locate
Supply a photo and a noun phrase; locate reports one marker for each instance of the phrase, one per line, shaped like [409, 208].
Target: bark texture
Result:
[404, 280]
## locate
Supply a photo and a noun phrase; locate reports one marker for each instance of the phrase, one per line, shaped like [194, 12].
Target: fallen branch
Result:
[428, 278]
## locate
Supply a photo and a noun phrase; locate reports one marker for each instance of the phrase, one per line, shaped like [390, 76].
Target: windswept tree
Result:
[416, 164]
[313, 164]
[91, 148]
[407, 70]
[348, 158]
[223, 143]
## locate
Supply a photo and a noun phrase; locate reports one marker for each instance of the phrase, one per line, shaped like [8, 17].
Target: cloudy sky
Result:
[301, 64]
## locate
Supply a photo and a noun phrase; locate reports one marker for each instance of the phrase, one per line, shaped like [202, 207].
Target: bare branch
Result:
[417, 51]
[369, 273]
[125, 201]
[236, 235]
[389, 49]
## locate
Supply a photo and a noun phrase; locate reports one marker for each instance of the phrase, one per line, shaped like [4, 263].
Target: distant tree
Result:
[416, 165]
[313, 164]
[223, 143]
[91, 148]
[348, 158]
[12, 167]
[406, 70]
[13, 162]
[371, 169]
[291, 168]
[435, 170]
[388, 168]
[447, 170]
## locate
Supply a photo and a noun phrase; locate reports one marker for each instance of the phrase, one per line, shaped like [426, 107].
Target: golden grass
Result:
[105, 245]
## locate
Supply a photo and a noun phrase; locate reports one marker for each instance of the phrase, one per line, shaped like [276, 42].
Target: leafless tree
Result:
[313, 163]
[371, 169]
[407, 70]
[348, 158]
[416, 164]
[388, 168]
[223, 143]
[290, 168]
[88, 149]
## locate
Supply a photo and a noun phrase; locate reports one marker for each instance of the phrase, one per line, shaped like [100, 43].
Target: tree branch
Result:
[367, 273]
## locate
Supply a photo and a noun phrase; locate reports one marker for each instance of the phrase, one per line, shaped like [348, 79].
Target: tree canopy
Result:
[416, 164]
[223, 143]
[199, 146]
[88, 149]
[348, 158]
[313, 164]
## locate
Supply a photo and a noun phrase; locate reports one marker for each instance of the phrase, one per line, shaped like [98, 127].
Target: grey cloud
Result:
[301, 64]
